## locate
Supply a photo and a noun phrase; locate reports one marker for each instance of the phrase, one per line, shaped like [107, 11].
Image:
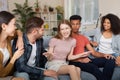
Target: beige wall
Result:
[105, 6]
[52, 3]
[109, 6]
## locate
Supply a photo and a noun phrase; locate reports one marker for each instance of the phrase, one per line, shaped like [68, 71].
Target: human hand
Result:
[94, 43]
[109, 56]
[48, 55]
[86, 54]
[51, 73]
[18, 53]
[85, 60]
[117, 60]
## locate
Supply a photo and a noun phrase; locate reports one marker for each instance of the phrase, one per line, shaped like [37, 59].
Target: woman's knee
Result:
[78, 69]
[71, 67]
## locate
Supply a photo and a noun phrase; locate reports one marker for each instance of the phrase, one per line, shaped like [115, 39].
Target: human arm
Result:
[7, 69]
[49, 54]
[16, 55]
[50, 73]
[20, 39]
[18, 35]
[118, 61]
[81, 55]
[98, 54]
[93, 43]
[21, 64]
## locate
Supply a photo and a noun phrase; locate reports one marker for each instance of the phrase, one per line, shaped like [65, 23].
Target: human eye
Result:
[72, 24]
[61, 29]
[67, 28]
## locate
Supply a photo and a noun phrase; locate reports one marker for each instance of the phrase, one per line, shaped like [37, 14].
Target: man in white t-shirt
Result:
[33, 60]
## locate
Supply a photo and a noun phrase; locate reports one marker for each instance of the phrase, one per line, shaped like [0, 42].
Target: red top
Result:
[81, 42]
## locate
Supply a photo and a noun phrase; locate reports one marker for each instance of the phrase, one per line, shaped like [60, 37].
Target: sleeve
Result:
[43, 59]
[21, 63]
[4, 71]
[52, 42]
[21, 66]
[116, 47]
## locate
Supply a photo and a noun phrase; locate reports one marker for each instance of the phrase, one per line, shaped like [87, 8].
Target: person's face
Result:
[75, 25]
[40, 32]
[10, 27]
[107, 24]
[65, 30]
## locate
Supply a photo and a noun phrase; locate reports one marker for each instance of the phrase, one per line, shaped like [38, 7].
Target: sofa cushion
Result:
[87, 76]
[116, 73]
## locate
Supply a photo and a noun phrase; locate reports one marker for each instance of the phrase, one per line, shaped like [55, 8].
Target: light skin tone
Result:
[75, 30]
[35, 34]
[65, 32]
[9, 30]
[20, 39]
[74, 72]
[118, 60]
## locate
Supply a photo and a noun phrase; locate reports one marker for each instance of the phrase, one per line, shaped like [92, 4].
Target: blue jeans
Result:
[22, 74]
[93, 67]
[49, 78]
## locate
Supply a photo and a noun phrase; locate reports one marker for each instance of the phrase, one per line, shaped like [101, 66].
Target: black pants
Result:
[108, 66]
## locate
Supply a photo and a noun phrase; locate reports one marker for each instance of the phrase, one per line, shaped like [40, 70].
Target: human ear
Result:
[4, 26]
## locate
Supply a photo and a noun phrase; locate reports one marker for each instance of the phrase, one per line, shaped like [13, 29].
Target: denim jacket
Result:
[21, 63]
[115, 40]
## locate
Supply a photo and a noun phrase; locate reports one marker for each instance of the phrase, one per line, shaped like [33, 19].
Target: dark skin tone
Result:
[75, 29]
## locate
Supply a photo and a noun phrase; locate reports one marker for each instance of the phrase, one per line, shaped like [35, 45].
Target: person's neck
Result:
[3, 40]
[75, 33]
[31, 38]
[108, 31]
[65, 38]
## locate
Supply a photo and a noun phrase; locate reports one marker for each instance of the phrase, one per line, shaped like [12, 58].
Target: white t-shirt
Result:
[105, 45]
[32, 59]
[6, 55]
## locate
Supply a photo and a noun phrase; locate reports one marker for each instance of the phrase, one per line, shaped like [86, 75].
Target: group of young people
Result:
[66, 53]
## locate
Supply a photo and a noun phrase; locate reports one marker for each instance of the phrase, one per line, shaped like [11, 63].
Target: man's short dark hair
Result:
[33, 22]
[75, 17]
